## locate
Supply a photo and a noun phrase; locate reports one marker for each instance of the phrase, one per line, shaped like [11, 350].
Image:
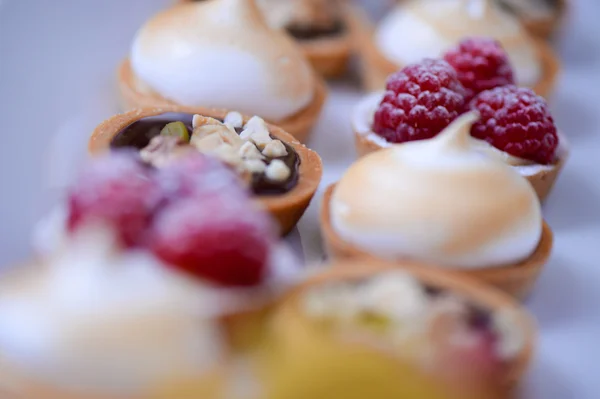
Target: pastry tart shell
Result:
[517, 280]
[286, 208]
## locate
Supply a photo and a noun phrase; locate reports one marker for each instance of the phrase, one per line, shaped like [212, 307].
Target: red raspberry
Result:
[221, 238]
[198, 175]
[481, 64]
[421, 100]
[517, 121]
[116, 189]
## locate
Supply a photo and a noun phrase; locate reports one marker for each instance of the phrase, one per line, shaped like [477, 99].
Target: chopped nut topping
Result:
[256, 130]
[164, 149]
[199, 120]
[277, 170]
[274, 149]
[234, 119]
[249, 151]
[255, 166]
[207, 143]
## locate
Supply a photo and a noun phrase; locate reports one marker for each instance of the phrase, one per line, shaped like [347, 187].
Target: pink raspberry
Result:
[481, 64]
[517, 121]
[198, 175]
[420, 101]
[221, 238]
[115, 189]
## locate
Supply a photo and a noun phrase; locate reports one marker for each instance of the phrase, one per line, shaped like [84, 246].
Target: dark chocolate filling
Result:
[139, 133]
[307, 32]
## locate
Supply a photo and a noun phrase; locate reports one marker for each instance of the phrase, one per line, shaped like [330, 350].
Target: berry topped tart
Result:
[419, 29]
[156, 273]
[319, 27]
[282, 174]
[421, 100]
[469, 341]
[443, 203]
[222, 54]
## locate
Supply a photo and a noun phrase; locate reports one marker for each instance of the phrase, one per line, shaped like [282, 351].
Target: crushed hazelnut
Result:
[249, 151]
[200, 120]
[207, 143]
[256, 130]
[234, 119]
[274, 149]
[254, 166]
[164, 149]
[277, 171]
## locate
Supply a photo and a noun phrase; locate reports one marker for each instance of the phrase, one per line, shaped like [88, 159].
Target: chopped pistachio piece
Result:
[176, 129]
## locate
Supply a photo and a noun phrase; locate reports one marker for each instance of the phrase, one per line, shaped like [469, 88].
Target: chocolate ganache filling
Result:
[139, 133]
[307, 32]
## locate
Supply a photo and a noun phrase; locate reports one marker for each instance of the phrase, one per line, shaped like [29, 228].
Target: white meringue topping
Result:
[427, 28]
[438, 201]
[222, 54]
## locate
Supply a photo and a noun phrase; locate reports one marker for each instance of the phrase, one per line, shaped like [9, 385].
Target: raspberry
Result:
[481, 64]
[198, 175]
[220, 238]
[420, 101]
[116, 189]
[517, 121]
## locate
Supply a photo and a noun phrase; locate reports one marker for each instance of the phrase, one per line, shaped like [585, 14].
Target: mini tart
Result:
[546, 27]
[290, 321]
[516, 279]
[286, 208]
[375, 67]
[135, 94]
[541, 177]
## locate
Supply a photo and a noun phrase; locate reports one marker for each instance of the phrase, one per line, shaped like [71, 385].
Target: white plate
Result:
[57, 64]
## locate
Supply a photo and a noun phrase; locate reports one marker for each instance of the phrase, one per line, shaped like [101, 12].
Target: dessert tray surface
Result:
[57, 64]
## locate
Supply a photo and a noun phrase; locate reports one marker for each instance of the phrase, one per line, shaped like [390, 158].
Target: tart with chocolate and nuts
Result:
[460, 332]
[540, 17]
[282, 173]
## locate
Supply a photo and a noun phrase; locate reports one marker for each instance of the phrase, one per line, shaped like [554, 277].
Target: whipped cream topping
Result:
[426, 29]
[101, 318]
[222, 54]
[438, 201]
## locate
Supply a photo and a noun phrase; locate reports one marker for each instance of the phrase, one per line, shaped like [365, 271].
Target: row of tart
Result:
[170, 281]
[250, 64]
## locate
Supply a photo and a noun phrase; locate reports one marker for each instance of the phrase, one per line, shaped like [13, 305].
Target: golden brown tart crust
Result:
[461, 284]
[516, 279]
[134, 95]
[287, 208]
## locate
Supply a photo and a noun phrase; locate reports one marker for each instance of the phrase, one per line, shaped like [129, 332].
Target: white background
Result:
[57, 64]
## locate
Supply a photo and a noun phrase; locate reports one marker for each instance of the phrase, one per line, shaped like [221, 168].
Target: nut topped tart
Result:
[426, 29]
[463, 335]
[153, 277]
[222, 54]
[440, 202]
[282, 173]
[515, 124]
[541, 17]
